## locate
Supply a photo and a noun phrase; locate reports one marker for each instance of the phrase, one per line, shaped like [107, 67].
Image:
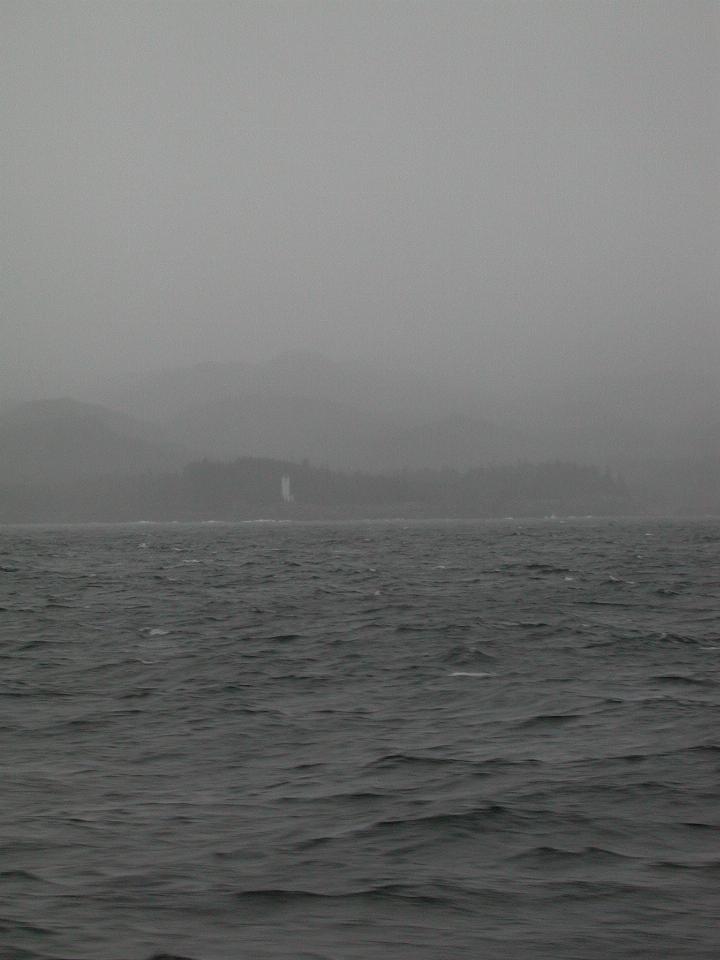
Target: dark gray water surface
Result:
[380, 740]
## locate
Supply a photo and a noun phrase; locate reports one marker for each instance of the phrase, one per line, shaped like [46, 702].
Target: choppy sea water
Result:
[427, 740]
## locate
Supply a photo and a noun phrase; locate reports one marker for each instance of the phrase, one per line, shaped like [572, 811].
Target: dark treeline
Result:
[251, 487]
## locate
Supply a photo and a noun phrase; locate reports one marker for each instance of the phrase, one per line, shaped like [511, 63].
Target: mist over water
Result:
[295, 269]
[375, 236]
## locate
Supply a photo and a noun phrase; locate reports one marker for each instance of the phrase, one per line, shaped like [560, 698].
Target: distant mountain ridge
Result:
[446, 420]
[59, 440]
[62, 439]
[304, 406]
[338, 435]
[407, 397]
[349, 416]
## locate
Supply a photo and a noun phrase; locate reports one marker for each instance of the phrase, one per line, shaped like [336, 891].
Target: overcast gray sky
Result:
[526, 189]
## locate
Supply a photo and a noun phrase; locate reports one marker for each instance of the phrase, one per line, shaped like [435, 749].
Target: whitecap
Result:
[158, 632]
[470, 673]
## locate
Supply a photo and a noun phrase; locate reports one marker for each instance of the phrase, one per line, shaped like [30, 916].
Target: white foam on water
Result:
[470, 673]
[158, 632]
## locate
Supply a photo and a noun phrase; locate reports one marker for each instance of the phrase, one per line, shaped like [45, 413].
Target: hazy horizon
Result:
[360, 478]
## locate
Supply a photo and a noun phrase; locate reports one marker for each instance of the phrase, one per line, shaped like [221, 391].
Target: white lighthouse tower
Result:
[285, 493]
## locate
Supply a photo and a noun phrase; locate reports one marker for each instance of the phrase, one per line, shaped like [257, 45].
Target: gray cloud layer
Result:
[522, 191]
